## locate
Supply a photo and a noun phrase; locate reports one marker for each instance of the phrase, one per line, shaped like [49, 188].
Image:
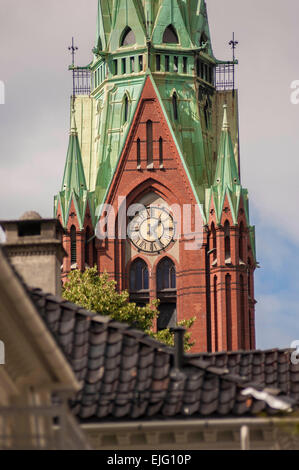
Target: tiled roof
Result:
[127, 375]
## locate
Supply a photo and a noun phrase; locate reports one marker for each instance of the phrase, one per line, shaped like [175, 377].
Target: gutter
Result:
[187, 423]
[55, 358]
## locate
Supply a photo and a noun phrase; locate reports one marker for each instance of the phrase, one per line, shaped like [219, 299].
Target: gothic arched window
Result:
[138, 153]
[170, 35]
[161, 152]
[128, 37]
[166, 275]
[73, 245]
[166, 287]
[228, 286]
[125, 109]
[216, 315]
[241, 241]
[214, 241]
[175, 106]
[149, 143]
[227, 240]
[139, 276]
[242, 313]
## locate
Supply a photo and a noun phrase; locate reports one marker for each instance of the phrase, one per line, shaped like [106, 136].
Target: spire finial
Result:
[225, 125]
[233, 43]
[73, 50]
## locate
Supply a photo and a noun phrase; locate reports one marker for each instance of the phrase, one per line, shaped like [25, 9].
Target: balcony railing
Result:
[81, 80]
[225, 77]
[40, 428]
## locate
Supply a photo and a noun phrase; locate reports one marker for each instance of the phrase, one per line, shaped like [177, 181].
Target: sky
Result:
[34, 59]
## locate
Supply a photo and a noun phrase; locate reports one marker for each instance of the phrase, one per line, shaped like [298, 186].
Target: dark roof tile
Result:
[126, 374]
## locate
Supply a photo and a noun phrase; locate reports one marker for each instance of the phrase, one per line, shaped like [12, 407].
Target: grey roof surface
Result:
[127, 375]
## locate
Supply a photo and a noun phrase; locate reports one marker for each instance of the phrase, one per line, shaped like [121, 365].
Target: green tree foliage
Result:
[98, 294]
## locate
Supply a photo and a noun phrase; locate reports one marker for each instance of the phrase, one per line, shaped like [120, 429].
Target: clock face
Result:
[151, 230]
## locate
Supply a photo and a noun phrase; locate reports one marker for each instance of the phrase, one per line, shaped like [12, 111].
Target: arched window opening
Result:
[138, 153]
[123, 65]
[140, 63]
[166, 275]
[214, 241]
[241, 242]
[139, 277]
[139, 283]
[161, 152]
[73, 245]
[185, 64]
[249, 279]
[166, 287]
[228, 312]
[227, 241]
[175, 106]
[128, 38]
[176, 64]
[167, 63]
[87, 246]
[216, 315]
[242, 322]
[170, 35]
[149, 143]
[158, 62]
[132, 64]
[126, 109]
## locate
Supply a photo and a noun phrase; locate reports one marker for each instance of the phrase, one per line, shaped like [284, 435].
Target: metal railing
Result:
[40, 428]
[225, 77]
[81, 81]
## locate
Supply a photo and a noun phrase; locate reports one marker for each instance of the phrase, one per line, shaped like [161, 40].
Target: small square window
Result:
[124, 65]
[140, 60]
[132, 64]
[167, 63]
[185, 65]
[176, 64]
[158, 62]
[115, 67]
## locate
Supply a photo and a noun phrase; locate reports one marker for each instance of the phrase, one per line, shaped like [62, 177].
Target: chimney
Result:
[34, 247]
[179, 334]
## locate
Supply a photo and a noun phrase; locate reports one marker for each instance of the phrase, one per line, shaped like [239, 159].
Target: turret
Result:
[231, 253]
[73, 206]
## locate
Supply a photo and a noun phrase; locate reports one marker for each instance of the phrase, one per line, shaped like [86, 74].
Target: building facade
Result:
[151, 191]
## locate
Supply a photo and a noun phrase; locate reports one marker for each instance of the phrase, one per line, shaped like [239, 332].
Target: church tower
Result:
[151, 191]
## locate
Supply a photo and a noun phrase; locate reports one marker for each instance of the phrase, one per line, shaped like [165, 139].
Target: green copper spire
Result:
[74, 178]
[227, 181]
[227, 175]
[74, 188]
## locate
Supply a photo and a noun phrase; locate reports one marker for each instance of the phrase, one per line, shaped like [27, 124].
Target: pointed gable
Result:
[126, 13]
[167, 173]
[170, 13]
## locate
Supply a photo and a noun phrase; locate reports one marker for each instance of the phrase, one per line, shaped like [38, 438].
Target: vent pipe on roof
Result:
[179, 334]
